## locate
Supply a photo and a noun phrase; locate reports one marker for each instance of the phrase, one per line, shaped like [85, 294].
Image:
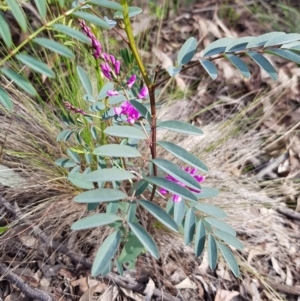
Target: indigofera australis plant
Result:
[115, 157]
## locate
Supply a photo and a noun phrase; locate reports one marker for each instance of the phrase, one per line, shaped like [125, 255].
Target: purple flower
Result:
[193, 173]
[112, 93]
[71, 108]
[128, 110]
[131, 81]
[117, 66]
[112, 59]
[95, 43]
[106, 70]
[143, 93]
[105, 56]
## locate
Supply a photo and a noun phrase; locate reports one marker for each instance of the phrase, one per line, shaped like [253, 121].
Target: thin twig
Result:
[28, 291]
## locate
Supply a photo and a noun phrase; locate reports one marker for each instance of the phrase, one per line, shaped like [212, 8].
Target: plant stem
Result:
[151, 88]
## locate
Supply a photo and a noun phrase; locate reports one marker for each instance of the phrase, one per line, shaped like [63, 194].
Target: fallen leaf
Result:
[223, 295]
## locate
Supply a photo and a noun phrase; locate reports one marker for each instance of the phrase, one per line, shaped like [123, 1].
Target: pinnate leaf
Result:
[229, 258]
[212, 252]
[100, 195]
[229, 239]
[142, 109]
[42, 7]
[286, 54]
[108, 174]
[108, 4]
[71, 32]
[210, 68]
[5, 100]
[92, 18]
[85, 81]
[220, 225]
[76, 178]
[211, 210]
[239, 64]
[105, 253]
[187, 51]
[35, 64]
[67, 163]
[262, 39]
[263, 63]
[117, 150]
[184, 155]
[177, 172]
[199, 238]
[179, 212]
[18, 14]
[180, 127]
[145, 238]
[5, 31]
[95, 220]
[159, 214]
[283, 39]
[132, 12]
[19, 80]
[217, 47]
[55, 47]
[207, 192]
[172, 187]
[189, 226]
[125, 131]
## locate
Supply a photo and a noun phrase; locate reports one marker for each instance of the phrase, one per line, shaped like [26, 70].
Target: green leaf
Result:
[61, 3]
[67, 163]
[170, 207]
[5, 100]
[73, 33]
[210, 68]
[283, 39]
[199, 238]
[35, 65]
[187, 51]
[189, 226]
[263, 63]
[262, 39]
[212, 252]
[97, 106]
[286, 54]
[229, 258]
[18, 14]
[172, 187]
[220, 225]
[238, 44]
[217, 46]
[211, 210]
[76, 178]
[125, 131]
[92, 18]
[229, 239]
[85, 81]
[179, 212]
[159, 214]
[112, 207]
[5, 31]
[103, 92]
[108, 4]
[142, 110]
[106, 252]
[173, 70]
[295, 46]
[100, 195]
[41, 5]
[207, 192]
[139, 187]
[132, 249]
[117, 150]
[239, 64]
[64, 135]
[119, 267]
[55, 47]
[180, 127]
[178, 173]
[132, 12]
[182, 154]
[20, 81]
[108, 174]
[116, 99]
[95, 220]
[131, 211]
[144, 237]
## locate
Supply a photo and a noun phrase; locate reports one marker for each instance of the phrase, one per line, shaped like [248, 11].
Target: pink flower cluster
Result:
[95, 43]
[129, 110]
[193, 172]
